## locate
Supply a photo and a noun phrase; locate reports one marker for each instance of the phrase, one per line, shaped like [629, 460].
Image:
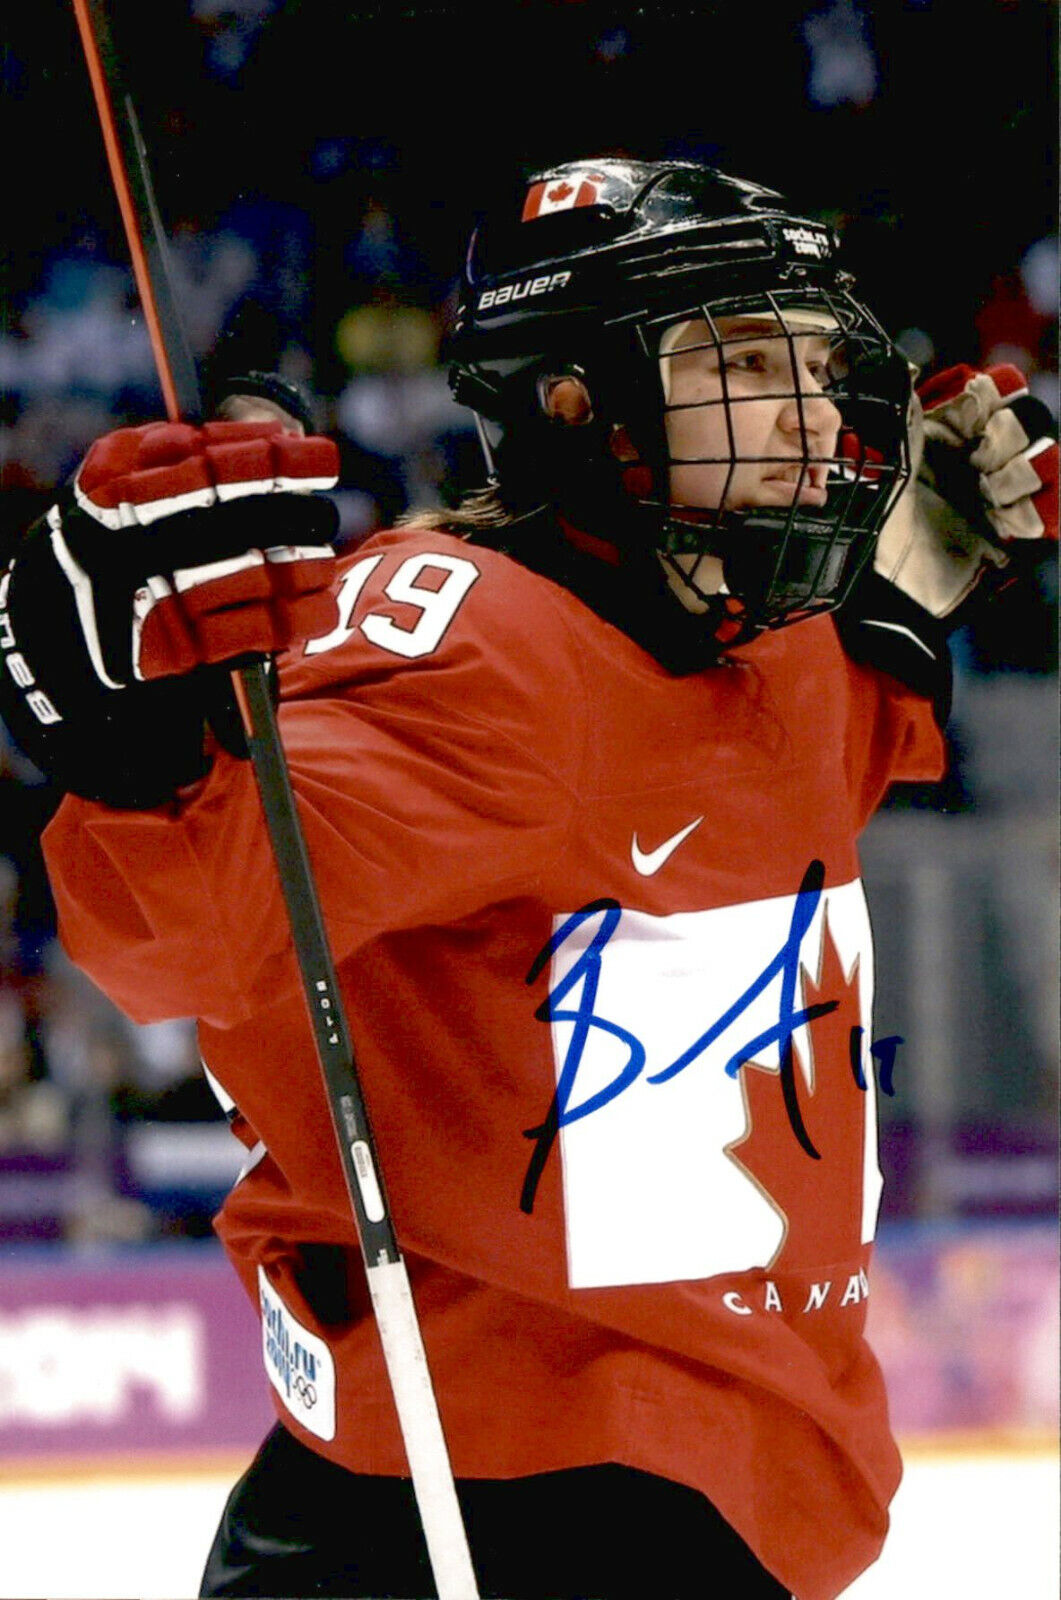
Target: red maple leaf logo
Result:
[561, 192]
[820, 1200]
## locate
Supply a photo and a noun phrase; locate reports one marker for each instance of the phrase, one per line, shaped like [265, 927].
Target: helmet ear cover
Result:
[563, 397]
[558, 420]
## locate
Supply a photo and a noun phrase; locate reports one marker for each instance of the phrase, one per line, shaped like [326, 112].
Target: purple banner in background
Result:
[158, 1351]
[146, 1352]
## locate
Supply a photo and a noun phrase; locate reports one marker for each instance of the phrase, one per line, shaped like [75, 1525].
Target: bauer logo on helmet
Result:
[522, 290]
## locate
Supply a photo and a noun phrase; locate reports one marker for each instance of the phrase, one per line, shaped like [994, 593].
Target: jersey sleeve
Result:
[891, 736]
[880, 626]
[433, 769]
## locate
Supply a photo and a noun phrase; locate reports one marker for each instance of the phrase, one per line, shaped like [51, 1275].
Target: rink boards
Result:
[145, 1359]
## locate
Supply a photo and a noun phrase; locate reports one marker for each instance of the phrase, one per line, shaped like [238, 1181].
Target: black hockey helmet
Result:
[587, 273]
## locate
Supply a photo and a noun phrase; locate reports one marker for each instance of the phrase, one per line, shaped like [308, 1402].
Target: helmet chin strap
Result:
[724, 616]
[487, 448]
[694, 579]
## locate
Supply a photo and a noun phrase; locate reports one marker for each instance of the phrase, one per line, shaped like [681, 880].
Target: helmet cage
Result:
[788, 561]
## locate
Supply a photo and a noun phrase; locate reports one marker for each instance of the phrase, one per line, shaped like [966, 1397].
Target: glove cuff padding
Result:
[880, 626]
[131, 749]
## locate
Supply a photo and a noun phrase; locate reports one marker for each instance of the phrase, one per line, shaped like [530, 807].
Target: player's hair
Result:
[480, 511]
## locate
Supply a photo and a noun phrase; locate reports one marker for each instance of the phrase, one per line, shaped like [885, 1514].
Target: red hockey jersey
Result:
[608, 966]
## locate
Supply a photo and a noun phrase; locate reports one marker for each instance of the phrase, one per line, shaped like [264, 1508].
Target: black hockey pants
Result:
[296, 1525]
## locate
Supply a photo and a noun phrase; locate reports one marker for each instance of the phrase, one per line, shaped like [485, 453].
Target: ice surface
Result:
[978, 1526]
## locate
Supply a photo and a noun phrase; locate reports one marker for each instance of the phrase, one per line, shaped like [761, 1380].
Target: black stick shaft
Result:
[387, 1277]
[320, 984]
[127, 159]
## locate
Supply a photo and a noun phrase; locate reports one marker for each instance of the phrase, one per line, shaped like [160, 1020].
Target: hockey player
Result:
[582, 768]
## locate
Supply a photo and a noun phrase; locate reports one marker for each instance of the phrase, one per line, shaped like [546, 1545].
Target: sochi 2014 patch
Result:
[562, 194]
[299, 1364]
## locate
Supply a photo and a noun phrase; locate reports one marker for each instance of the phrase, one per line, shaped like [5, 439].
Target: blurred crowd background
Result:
[318, 168]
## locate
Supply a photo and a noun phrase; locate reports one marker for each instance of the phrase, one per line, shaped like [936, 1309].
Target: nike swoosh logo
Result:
[650, 862]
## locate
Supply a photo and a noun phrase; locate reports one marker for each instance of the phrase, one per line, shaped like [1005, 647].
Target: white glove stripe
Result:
[236, 491]
[144, 602]
[143, 513]
[282, 553]
[299, 485]
[1038, 447]
[187, 578]
[84, 599]
[128, 515]
[151, 510]
[110, 517]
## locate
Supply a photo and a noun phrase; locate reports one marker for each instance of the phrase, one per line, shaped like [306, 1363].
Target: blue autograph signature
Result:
[585, 972]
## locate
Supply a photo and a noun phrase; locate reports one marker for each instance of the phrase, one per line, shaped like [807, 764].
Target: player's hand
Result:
[180, 547]
[985, 461]
[175, 547]
[986, 428]
[228, 552]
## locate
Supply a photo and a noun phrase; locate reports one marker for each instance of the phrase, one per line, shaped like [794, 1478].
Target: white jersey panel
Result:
[650, 1193]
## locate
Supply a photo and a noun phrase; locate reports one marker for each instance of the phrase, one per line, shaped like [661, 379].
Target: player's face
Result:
[773, 449]
[770, 451]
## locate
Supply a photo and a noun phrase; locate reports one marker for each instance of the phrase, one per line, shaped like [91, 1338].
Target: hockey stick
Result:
[388, 1280]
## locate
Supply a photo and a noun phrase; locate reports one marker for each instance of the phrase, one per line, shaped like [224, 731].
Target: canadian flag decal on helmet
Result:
[562, 194]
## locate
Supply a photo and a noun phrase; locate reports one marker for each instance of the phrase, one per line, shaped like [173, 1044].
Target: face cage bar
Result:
[690, 532]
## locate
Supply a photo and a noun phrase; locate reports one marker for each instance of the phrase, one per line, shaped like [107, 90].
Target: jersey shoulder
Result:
[434, 631]
[430, 603]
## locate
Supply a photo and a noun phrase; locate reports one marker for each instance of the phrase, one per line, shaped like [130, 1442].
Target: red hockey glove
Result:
[217, 586]
[987, 421]
[985, 460]
[175, 548]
